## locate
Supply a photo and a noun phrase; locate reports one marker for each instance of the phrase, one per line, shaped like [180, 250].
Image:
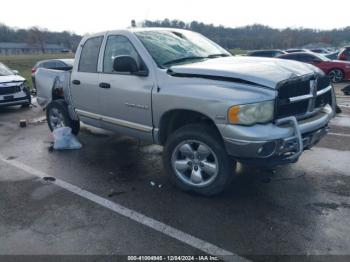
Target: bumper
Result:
[276, 144]
[19, 98]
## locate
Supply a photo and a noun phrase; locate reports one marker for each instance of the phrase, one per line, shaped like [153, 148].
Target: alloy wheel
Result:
[195, 163]
[336, 75]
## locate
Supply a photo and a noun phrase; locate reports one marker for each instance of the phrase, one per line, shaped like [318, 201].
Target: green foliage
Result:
[25, 63]
[237, 51]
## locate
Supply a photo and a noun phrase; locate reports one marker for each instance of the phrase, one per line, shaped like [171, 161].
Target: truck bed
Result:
[46, 79]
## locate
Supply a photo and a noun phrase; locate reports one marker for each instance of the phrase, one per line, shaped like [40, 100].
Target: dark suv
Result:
[344, 54]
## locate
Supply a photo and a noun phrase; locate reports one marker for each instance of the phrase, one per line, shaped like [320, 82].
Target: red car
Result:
[344, 54]
[335, 69]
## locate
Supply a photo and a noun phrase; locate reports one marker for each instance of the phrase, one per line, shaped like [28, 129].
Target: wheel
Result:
[57, 116]
[196, 160]
[336, 75]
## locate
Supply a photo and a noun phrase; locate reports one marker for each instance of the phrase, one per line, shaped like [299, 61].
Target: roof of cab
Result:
[136, 29]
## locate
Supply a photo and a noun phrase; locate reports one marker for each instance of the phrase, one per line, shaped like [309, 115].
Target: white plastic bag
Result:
[64, 139]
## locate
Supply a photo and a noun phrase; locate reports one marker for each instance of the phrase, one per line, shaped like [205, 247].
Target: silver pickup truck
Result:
[207, 108]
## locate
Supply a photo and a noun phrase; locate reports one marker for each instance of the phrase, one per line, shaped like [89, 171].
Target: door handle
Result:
[76, 82]
[104, 85]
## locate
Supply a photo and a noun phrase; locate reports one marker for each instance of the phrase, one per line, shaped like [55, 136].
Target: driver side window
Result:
[118, 45]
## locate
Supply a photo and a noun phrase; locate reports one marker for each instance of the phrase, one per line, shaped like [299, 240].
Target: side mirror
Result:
[127, 64]
[15, 72]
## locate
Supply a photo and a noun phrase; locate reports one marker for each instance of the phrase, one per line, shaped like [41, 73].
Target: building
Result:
[8, 48]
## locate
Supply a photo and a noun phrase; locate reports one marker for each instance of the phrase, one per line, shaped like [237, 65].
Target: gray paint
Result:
[135, 105]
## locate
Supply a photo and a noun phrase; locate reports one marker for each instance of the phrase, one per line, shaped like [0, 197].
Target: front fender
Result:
[208, 98]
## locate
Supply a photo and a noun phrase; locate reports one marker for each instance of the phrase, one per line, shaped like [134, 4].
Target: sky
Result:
[84, 16]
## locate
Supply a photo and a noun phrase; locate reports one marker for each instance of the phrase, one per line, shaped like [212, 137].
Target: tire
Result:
[194, 177]
[57, 116]
[336, 75]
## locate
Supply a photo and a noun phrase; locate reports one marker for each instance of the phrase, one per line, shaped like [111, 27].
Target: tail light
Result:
[33, 70]
[342, 57]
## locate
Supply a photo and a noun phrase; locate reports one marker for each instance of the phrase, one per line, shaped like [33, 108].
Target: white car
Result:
[13, 89]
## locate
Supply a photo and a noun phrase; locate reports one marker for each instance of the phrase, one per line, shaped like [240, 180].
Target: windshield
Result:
[5, 71]
[173, 47]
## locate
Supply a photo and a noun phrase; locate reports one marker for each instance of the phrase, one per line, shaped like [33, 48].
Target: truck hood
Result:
[267, 72]
[10, 79]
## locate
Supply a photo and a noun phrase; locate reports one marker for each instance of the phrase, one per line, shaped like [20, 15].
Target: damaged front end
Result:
[303, 110]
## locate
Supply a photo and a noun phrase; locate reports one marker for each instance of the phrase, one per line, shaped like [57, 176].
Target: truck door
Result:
[125, 98]
[85, 80]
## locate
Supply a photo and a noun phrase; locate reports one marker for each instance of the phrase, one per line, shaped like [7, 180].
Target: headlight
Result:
[23, 85]
[251, 114]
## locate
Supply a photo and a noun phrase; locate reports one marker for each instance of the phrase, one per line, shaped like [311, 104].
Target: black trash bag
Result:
[346, 90]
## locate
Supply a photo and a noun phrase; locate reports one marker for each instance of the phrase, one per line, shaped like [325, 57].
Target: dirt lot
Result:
[112, 198]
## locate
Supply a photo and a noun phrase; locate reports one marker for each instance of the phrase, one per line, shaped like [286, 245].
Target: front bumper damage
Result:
[19, 98]
[276, 143]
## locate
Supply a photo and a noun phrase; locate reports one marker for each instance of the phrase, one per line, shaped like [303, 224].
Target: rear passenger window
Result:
[292, 57]
[60, 64]
[89, 55]
[295, 57]
[49, 64]
[306, 58]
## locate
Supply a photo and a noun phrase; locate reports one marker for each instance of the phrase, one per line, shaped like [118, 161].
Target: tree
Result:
[260, 36]
[37, 37]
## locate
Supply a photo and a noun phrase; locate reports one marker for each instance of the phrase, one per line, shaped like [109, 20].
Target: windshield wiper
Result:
[218, 55]
[184, 59]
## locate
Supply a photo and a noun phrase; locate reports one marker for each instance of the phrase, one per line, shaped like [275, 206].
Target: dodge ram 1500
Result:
[207, 108]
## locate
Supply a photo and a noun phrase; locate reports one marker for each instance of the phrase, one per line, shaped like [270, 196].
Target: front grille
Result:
[323, 100]
[299, 97]
[323, 82]
[7, 90]
[294, 88]
[294, 109]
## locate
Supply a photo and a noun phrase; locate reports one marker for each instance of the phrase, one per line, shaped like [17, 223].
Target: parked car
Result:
[13, 88]
[336, 70]
[294, 50]
[332, 56]
[57, 64]
[344, 54]
[320, 51]
[266, 53]
[179, 89]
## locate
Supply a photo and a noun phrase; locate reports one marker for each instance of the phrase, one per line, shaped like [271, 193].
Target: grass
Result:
[24, 63]
[238, 51]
